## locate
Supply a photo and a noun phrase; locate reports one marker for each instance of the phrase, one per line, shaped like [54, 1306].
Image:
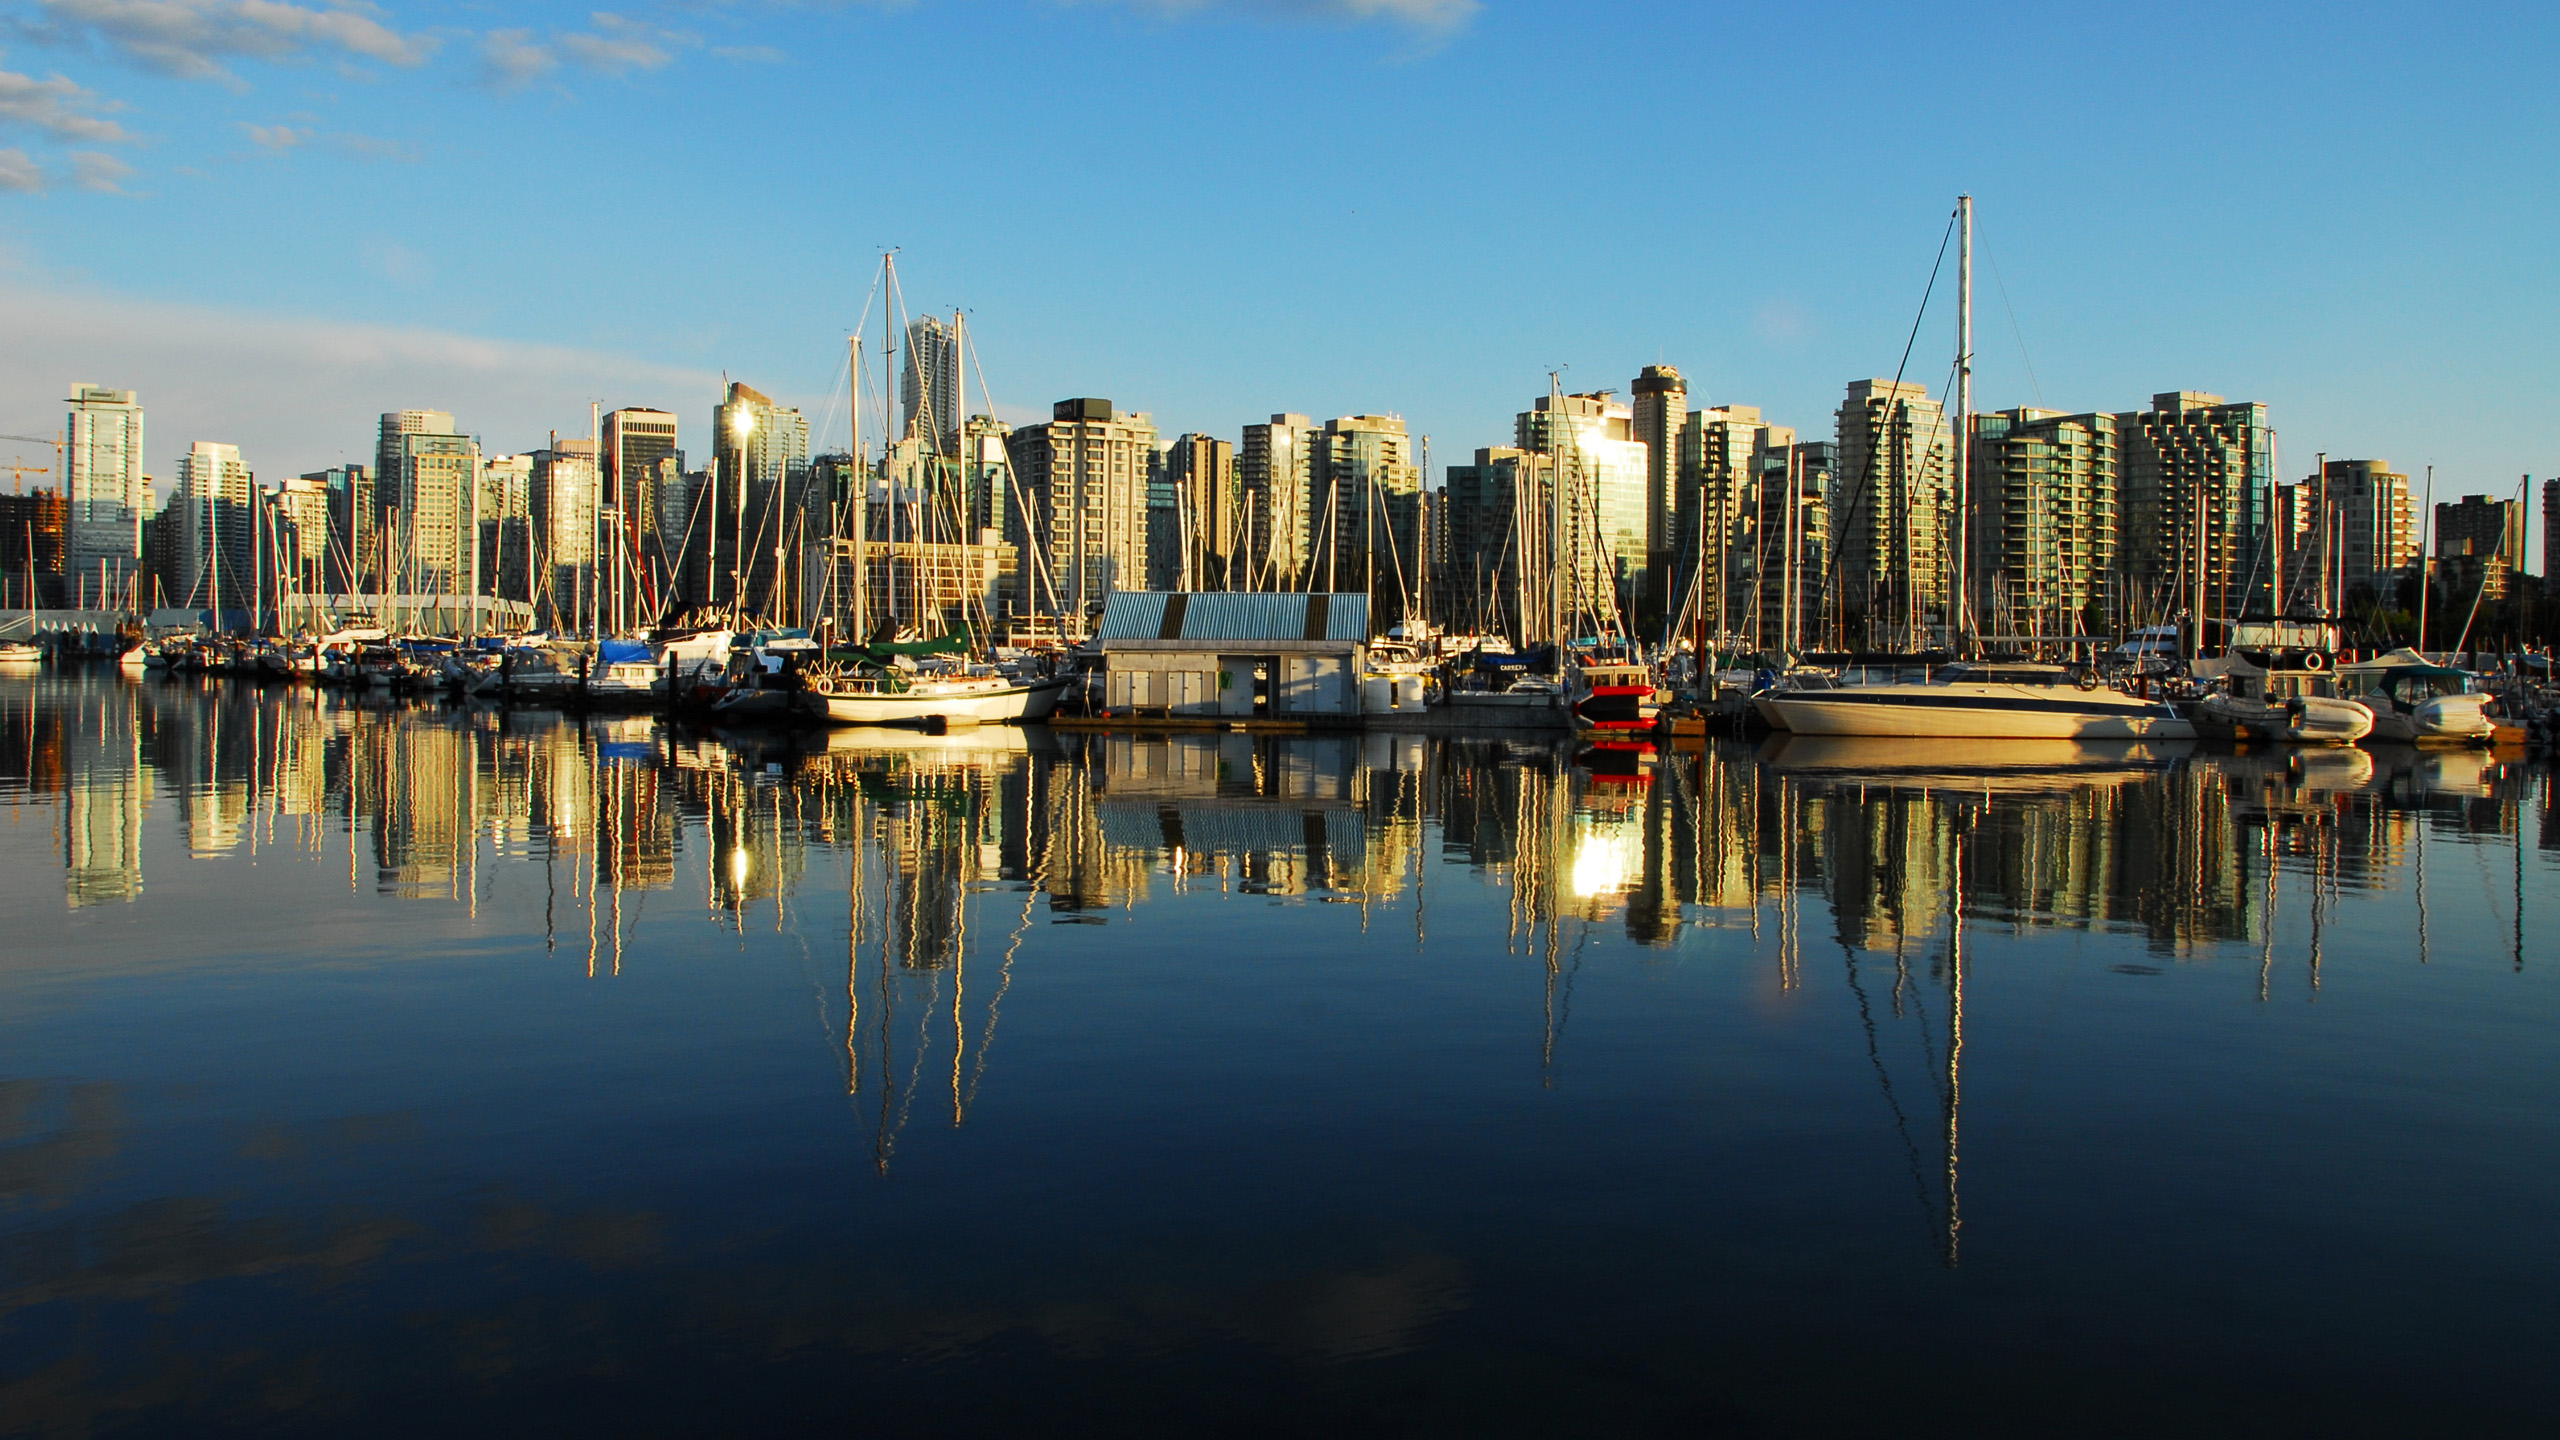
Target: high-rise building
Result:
[1083, 479]
[2550, 529]
[1367, 511]
[2480, 544]
[426, 481]
[2350, 529]
[1893, 515]
[103, 484]
[507, 547]
[1794, 543]
[2196, 507]
[1275, 469]
[564, 491]
[346, 568]
[744, 539]
[1199, 476]
[929, 391]
[213, 504]
[2043, 528]
[1660, 409]
[299, 530]
[1601, 468]
[986, 472]
[641, 464]
[1722, 453]
[1477, 574]
[34, 526]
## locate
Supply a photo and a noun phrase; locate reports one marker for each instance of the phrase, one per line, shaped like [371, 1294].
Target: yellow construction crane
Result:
[18, 472]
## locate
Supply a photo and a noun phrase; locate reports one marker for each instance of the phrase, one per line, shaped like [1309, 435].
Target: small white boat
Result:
[1986, 701]
[2418, 702]
[2279, 703]
[838, 698]
[20, 654]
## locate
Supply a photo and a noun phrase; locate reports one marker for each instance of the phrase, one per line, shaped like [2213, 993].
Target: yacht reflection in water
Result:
[956, 850]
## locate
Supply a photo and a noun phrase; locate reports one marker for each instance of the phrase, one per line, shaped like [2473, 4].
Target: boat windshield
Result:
[2005, 675]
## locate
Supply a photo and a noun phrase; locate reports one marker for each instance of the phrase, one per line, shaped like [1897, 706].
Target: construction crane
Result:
[18, 472]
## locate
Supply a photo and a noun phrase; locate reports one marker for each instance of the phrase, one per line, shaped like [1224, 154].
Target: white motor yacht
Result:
[2418, 702]
[1997, 701]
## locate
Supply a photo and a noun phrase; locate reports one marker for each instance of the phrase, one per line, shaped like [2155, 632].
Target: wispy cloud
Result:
[611, 45]
[19, 172]
[192, 39]
[57, 108]
[278, 138]
[98, 170]
[1431, 16]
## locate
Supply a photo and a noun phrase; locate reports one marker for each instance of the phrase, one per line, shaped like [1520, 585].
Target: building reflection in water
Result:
[954, 848]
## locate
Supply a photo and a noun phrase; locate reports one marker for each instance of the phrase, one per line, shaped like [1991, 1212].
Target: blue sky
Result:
[277, 217]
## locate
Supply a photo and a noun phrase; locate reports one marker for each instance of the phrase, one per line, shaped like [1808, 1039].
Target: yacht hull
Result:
[1988, 712]
[1009, 704]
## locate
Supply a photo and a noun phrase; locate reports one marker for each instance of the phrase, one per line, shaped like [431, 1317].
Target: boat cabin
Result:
[1233, 655]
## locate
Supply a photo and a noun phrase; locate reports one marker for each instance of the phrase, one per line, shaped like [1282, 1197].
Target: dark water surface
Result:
[422, 1071]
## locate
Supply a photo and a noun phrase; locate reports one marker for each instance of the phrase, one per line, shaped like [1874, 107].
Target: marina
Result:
[465, 1058]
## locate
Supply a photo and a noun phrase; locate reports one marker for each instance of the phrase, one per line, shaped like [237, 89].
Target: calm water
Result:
[425, 1071]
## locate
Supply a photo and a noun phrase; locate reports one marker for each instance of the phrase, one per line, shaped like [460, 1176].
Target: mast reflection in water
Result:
[518, 1064]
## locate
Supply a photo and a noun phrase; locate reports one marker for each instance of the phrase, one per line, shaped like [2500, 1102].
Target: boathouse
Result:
[1213, 656]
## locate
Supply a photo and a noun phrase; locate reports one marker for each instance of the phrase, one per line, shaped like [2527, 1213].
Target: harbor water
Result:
[412, 1069]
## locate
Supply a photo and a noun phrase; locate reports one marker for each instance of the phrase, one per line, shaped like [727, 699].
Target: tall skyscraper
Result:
[2196, 489]
[1601, 468]
[564, 490]
[641, 463]
[1275, 470]
[1478, 572]
[1659, 413]
[425, 487]
[1794, 547]
[2350, 528]
[1083, 478]
[929, 391]
[213, 505]
[2480, 544]
[350, 547]
[505, 508]
[104, 486]
[1207, 510]
[2043, 530]
[2550, 529]
[1892, 515]
[746, 539]
[1367, 510]
[1722, 452]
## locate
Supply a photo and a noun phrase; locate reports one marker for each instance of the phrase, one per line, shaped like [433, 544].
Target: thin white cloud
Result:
[192, 39]
[1434, 16]
[58, 108]
[513, 59]
[621, 46]
[97, 170]
[278, 138]
[19, 172]
[298, 394]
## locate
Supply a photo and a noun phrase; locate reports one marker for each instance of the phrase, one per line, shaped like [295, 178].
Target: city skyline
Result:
[1392, 287]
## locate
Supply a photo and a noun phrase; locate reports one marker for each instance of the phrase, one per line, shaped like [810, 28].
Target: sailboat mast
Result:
[1959, 602]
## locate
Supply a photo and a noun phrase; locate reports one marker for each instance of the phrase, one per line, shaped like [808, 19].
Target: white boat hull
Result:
[1989, 711]
[2313, 720]
[969, 705]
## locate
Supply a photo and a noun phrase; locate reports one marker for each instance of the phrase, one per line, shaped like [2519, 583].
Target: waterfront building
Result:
[299, 526]
[2043, 527]
[1477, 573]
[929, 390]
[1203, 512]
[2480, 544]
[1602, 470]
[2550, 527]
[507, 549]
[427, 480]
[755, 520]
[213, 502]
[564, 490]
[35, 533]
[349, 544]
[1794, 547]
[1083, 480]
[986, 472]
[641, 465]
[103, 484]
[2196, 508]
[1724, 450]
[1275, 478]
[2349, 529]
[1894, 515]
[1658, 415]
[1367, 510]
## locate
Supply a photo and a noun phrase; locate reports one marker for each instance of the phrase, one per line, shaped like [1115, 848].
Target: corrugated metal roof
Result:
[1230, 615]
